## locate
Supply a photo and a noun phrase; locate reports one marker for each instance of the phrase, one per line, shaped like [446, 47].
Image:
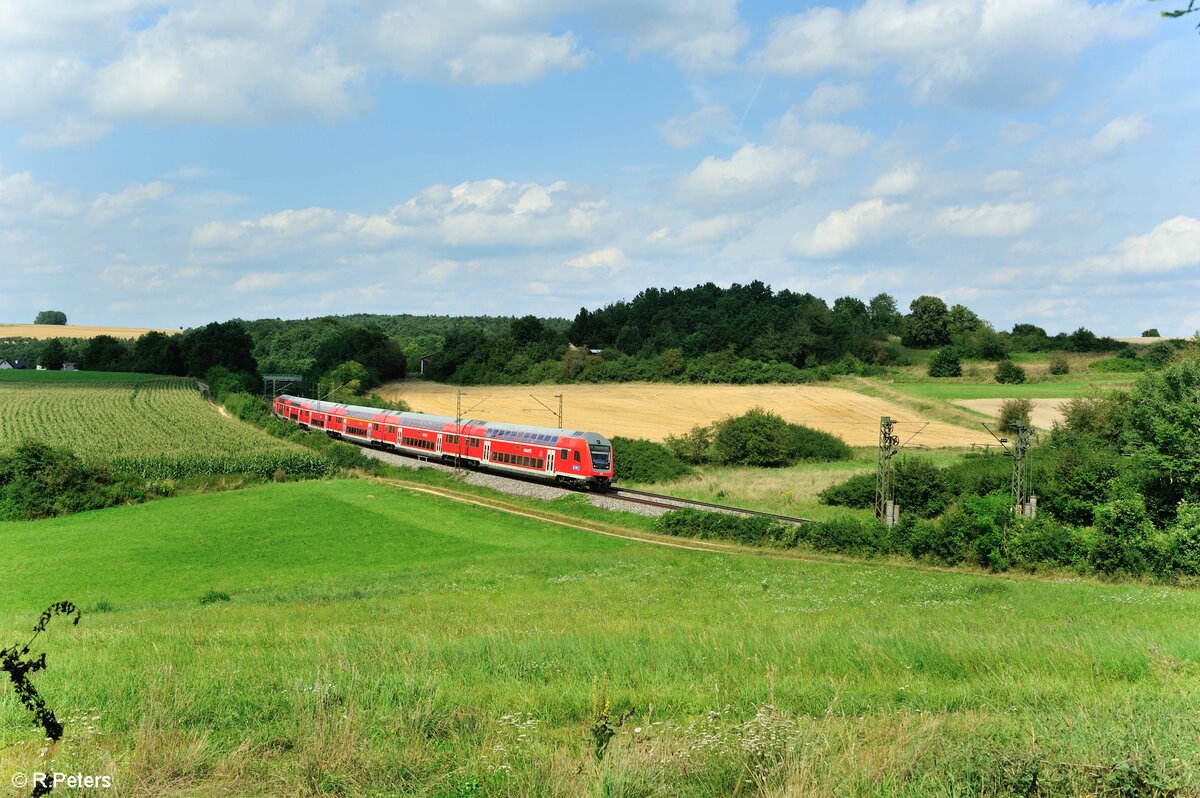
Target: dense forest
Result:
[740, 334]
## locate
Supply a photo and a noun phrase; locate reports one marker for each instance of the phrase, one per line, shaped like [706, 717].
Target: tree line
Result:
[740, 334]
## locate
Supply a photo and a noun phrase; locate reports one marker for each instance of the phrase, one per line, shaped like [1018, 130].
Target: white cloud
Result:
[495, 58]
[699, 35]
[950, 50]
[610, 258]
[1172, 245]
[844, 230]
[753, 174]
[703, 232]
[834, 99]
[682, 132]
[68, 130]
[1003, 180]
[480, 213]
[108, 206]
[73, 71]
[23, 196]
[828, 138]
[988, 220]
[1119, 132]
[260, 281]
[900, 180]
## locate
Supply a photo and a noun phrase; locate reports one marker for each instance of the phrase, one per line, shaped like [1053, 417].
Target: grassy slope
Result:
[950, 390]
[380, 642]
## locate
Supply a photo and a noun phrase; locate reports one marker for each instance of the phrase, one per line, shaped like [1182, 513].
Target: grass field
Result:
[787, 491]
[156, 426]
[383, 643]
[42, 331]
[950, 390]
[655, 410]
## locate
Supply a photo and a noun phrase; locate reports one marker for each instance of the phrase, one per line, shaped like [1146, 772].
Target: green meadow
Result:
[951, 389]
[376, 641]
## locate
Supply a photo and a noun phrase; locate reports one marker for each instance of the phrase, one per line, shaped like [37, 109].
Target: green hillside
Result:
[379, 642]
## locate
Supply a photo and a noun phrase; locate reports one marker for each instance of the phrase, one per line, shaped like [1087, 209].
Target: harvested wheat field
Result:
[1046, 412]
[655, 410]
[73, 331]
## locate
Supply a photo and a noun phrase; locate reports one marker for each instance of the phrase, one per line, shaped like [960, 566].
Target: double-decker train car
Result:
[583, 458]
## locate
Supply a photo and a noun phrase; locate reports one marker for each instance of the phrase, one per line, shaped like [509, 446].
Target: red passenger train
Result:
[583, 458]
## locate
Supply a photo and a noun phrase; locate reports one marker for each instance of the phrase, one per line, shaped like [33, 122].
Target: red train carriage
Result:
[565, 456]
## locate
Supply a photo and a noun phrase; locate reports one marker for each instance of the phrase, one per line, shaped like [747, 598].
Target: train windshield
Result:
[601, 457]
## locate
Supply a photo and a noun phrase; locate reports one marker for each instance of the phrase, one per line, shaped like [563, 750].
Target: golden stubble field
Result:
[655, 410]
[43, 331]
[1046, 412]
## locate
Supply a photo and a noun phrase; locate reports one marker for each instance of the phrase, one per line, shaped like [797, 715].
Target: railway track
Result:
[677, 503]
[630, 495]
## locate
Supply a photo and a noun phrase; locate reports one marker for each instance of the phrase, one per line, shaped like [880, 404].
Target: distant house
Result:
[4, 364]
[21, 364]
[425, 362]
[13, 364]
[70, 367]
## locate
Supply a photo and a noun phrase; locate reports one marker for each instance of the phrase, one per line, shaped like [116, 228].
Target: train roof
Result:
[495, 429]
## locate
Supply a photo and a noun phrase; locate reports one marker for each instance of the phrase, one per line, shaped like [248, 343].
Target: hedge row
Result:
[981, 531]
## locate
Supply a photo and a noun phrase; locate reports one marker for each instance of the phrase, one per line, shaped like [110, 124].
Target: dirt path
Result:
[655, 410]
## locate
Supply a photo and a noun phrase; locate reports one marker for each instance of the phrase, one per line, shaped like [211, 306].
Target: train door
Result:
[487, 451]
[439, 443]
[550, 461]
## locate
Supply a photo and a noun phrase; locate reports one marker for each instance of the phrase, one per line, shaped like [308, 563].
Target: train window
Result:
[541, 464]
[576, 457]
[564, 454]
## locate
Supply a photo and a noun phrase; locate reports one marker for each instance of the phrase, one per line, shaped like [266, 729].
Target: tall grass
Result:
[379, 642]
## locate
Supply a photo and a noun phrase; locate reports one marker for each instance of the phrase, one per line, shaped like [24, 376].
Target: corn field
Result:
[157, 428]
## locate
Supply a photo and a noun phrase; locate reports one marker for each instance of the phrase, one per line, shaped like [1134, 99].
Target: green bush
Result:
[858, 491]
[752, 530]
[39, 481]
[1123, 536]
[1013, 411]
[848, 535]
[1160, 354]
[1118, 365]
[945, 363]
[639, 460]
[1183, 548]
[1009, 373]
[756, 438]
[1035, 544]
[1059, 365]
[811, 444]
[693, 446]
[921, 488]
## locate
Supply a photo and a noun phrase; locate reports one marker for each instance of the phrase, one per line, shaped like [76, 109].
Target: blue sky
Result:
[168, 164]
